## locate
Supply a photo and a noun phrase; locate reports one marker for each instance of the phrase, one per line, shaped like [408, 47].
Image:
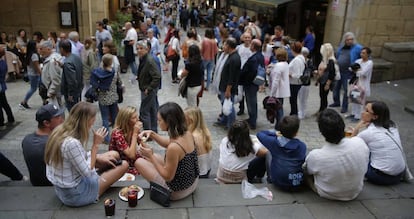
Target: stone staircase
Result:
[396, 62]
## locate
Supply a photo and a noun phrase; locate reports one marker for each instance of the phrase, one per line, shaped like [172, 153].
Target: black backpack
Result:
[307, 74]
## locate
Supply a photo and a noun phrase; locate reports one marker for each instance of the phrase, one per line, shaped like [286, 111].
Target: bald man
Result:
[247, 75]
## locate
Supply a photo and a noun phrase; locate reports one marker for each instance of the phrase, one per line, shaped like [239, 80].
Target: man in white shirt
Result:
[336, 171]
[244, 53]
[130, 42]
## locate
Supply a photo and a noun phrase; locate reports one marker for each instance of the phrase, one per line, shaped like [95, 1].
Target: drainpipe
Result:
[344, 22]
[90, 17]
[75, 5]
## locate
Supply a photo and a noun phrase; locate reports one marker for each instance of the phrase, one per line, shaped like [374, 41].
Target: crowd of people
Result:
[225, 62]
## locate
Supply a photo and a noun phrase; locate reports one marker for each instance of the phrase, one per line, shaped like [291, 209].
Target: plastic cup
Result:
[109, 207]
[132, 198]
[348, 132]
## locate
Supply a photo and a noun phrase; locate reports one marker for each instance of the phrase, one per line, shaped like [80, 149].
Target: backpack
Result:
[260, 76]
[306, 75]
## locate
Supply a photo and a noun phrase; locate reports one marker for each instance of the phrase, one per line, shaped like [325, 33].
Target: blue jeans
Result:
[228, 120]
[377, 177]
[279, 114]
[208, 67]
[70, 104]
[134, 68]
[148, 110]
[294, 91]
[107, 110]
[34, 84]
[343, 83]
[85, 193]
[250, 92]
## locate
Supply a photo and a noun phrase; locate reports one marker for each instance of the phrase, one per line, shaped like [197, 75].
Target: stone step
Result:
[383, 70]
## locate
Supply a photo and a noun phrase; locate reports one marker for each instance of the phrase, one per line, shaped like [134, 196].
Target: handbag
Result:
[171, 53]
[43, 91]
[306, 75]
[160, 194]
[120, 90]
[408, 176]
[356, 93]
[182, 87]
[260, 76]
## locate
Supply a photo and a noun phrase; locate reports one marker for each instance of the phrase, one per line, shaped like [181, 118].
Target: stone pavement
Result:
[21, 200]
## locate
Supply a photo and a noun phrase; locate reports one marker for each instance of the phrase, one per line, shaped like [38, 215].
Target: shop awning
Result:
[254, 3]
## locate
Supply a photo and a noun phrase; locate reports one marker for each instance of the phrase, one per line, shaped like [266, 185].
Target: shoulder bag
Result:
[408, 176]
[160, 194]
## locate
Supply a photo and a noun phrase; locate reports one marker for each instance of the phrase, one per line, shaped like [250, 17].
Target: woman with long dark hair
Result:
[194, 73]
[386, 162]
[237, 150]
[178, 169]
[33, 72]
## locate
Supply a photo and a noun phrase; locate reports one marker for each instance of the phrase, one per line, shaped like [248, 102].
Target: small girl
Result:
[241, 155]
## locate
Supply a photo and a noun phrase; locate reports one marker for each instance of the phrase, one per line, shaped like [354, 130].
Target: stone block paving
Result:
[21, 200]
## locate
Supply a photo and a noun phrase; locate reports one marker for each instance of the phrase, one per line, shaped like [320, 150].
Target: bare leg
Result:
[147, 169]
[109, 177]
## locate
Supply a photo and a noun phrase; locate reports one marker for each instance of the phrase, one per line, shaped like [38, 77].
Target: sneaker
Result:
[219, 124]
[334, 105]
[349, 116]
[24, 105]
[240, 113]
[344, 111]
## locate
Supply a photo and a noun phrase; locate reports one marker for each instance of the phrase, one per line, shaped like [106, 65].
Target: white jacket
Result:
[296, 67]
[279, 77]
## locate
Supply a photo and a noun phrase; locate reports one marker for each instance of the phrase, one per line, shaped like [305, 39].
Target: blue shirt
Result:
[309, 41]
[288, 156]
[3, 72]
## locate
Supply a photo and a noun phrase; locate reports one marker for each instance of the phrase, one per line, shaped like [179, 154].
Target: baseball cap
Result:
[47, 112]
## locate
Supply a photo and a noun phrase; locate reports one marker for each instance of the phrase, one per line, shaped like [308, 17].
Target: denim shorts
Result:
[85, 193]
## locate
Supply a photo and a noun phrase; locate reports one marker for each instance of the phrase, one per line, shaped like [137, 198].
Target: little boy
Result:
[287, 154]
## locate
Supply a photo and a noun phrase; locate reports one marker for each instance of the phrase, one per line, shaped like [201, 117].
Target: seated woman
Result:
[386, 162]
[70, 168]
[202, 137]
[237, 150]
[124, 138]
[178, 169]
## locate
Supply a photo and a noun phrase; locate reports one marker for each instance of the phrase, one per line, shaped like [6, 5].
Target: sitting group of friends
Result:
[336, 171]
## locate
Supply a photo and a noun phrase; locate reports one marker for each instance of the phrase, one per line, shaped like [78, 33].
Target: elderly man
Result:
[247, 75]
[154, 27]
[48, 117]
[155, 44]
[77, 47]
[130, 41]
[348, 52]
[229, 79]
[72, 80]
[245, 53]
[51, 74]
[149, 76]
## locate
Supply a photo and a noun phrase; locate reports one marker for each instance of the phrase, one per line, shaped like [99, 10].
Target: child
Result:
[237, 150]
[287, 154]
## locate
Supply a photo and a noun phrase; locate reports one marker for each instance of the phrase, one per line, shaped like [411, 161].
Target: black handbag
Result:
[160, 194]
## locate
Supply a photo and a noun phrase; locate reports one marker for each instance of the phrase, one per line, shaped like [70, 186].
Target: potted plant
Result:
[118, 36]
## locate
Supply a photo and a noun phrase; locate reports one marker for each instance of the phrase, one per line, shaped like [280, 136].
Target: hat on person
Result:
[47, 112]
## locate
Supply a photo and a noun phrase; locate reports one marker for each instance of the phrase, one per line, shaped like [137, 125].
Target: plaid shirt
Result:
[75, 165]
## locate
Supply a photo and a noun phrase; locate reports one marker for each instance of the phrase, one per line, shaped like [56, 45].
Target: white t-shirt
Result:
[228, 158]
[132, 35]
[364, 74]
[385, 154]
[339, 170]
[244, 53]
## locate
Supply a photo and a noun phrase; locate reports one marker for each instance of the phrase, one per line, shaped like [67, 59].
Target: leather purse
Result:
[160, 194]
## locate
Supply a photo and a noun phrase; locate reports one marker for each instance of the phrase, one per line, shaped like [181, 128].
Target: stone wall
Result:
[43, 16]
[374, 22]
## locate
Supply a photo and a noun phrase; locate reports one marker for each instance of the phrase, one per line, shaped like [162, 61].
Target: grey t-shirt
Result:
[33, 146]
[30, 68]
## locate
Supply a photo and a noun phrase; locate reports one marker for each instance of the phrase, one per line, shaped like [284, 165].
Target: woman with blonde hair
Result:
[124, 137]
[70, 168]
[202, 138]
[326, 74]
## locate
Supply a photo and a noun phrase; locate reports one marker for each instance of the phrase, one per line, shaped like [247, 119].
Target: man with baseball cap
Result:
[48, 117]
